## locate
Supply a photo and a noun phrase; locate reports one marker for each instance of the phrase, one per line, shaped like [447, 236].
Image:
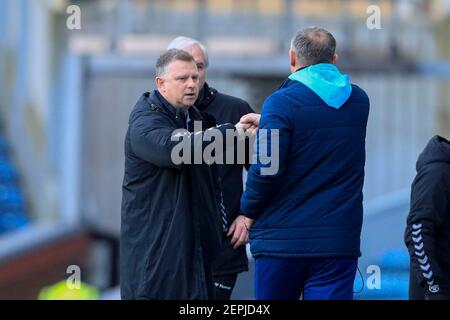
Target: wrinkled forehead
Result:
[197, 53]
[180, 67]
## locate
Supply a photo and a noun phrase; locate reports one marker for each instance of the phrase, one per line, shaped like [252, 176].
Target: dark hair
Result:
[314, 45]
[168, 56]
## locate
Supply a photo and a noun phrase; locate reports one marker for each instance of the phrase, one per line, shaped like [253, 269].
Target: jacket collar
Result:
[287, 81]
[157, 98]
[205, 97]
[157, 101]
[176, 113]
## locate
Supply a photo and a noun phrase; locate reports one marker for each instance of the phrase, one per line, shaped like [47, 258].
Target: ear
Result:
[335, 58]
[292, 58]
[160, 84]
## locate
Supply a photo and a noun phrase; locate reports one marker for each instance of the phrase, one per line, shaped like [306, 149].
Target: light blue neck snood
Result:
[327, 82]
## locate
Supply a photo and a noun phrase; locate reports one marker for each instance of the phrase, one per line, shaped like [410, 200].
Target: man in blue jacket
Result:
[305, 219]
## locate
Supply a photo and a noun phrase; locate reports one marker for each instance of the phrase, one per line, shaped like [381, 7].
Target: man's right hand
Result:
[251, 119]
[248, 123]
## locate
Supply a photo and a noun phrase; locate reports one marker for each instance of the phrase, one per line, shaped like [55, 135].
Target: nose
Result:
[192, 82]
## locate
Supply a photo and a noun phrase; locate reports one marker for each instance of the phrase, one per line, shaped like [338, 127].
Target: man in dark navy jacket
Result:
[170, 223]
[305, 218]
[232, 257]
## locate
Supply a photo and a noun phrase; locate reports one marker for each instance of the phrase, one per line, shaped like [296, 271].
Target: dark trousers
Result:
[224, 285]
[416, 292]
[209, 280]
[314, 278]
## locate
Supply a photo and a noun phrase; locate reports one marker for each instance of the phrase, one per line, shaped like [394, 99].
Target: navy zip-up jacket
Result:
[312, 205]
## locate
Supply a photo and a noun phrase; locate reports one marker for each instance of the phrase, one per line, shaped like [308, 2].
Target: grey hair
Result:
[186, 42]
[314, 45]
[162, 64]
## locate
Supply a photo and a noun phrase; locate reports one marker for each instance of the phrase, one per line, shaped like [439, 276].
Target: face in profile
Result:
[180, 84]
[200, 60]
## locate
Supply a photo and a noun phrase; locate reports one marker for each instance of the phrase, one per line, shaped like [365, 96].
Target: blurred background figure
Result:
[61, 291]
[12, 208]
[70, 72]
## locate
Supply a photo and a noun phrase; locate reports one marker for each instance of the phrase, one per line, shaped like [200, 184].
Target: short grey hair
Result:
[314, 45]
[186, 42]
[168, 56]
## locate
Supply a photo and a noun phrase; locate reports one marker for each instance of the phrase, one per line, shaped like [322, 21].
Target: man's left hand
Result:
[239, 232]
